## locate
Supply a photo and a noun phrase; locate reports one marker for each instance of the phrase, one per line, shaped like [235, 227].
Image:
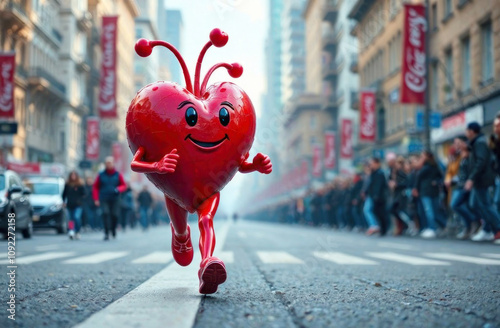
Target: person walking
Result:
[73, 196]
[127, 209]
[376, 195]
[495, 148]
[480, 179]
[106, 193]
[427, 185]
[144, 200]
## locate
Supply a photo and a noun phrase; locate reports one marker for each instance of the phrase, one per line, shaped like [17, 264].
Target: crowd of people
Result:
[106, 203]
[413, 195]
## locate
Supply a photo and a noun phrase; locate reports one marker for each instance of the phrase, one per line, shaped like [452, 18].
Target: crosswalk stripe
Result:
[154, 257]
[226, 256]
[50, 247]
[341, 258]
[493, 255]
[278, 258]
[463, 258]
[395, 245]
[96, 258]
[403, 258]
[39, 257]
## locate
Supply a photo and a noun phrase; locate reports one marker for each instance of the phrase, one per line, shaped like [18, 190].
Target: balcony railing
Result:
[334, 68]
[14, 10]
[39, 72]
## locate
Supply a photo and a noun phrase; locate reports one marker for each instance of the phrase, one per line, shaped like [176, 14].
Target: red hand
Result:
[168, 163]
[262, 163]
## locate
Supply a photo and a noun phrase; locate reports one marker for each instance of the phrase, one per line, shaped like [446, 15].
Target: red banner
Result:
[414, 71]
[93, 145]
[367, 119]
[316, 162]
[107, 88]
[24, 168]
[330, 159]
[346, 139]
[7, 69]
[118, 157]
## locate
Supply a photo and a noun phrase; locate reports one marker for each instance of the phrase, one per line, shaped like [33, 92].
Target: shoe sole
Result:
[213, 275]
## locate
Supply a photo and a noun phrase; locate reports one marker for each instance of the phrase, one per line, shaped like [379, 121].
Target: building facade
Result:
[174, 30]
[146, 69]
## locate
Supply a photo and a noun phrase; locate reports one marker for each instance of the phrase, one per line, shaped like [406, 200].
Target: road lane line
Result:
[154, 257]
[50, 247]
[493, 255]
[96, 258]
[341, 258]
[168, 299]
[39, 257]
[463, 258]
[278, 258]
[226, 256]
[405, 258]
[395, 245]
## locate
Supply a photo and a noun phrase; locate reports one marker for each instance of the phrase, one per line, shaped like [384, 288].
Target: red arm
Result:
[122, 186]
[260, 162]
[138, 165]
[246, 167]
[95, 189]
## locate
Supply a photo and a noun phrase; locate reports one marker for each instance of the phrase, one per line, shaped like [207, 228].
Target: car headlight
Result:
[56, 207]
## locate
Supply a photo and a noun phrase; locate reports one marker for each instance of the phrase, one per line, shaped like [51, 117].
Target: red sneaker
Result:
[497, 238]
[372, 231]
[182, 250]
[211, 274]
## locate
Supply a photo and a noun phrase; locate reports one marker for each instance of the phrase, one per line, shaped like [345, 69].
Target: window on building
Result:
[448, 8]
[487, 65]
[466, 74]
[434, 17]
[448, 63]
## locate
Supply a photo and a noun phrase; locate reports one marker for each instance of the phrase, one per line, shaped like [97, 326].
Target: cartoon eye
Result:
[224, 116]
[191, 116]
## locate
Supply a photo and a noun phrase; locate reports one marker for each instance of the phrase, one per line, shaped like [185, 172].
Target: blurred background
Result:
[306, 64]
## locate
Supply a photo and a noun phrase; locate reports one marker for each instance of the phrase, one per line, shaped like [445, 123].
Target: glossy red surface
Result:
[190, 142]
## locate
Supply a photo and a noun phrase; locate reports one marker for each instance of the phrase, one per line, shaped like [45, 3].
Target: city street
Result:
[278, 276]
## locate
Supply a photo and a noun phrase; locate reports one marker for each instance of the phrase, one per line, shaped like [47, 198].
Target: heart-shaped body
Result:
[211, 146]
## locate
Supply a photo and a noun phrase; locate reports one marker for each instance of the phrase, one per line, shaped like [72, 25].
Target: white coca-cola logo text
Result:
[6, 93]
[415, 55]
[368, 122]
[107, 93]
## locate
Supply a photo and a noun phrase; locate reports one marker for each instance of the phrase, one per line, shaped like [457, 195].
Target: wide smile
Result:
[207, 145]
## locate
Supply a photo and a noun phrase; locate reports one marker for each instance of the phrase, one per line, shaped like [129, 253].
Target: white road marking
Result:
[278, 258]
[96, 258]
[405, 258]
[341, 258]
[50, 247]
[242, 234]
[463, 258]
[493, 255]
[168, 299]
[39, 257]
[226, 256]
[155, 257]
[5, 255]
[395, 245]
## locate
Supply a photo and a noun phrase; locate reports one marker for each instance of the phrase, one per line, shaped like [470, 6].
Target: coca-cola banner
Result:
[367, 113]
[346, 139]
[330, 150]
[316, 162]
[92, 149]
[414, 71]
[7, 67]
[107, 87]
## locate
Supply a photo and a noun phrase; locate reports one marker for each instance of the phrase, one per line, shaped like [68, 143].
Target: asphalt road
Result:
[278, 276]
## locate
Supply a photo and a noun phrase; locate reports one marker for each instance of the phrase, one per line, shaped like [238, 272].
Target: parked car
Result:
[46, 198]
[14, 198]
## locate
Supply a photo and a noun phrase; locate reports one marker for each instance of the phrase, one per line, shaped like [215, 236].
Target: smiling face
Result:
[212, 135]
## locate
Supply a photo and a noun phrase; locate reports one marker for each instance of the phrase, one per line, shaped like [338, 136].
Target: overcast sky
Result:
[246, 23]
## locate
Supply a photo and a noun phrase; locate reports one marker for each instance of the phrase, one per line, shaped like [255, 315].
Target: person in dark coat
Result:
[89, 208]
[145, 201]
[73, 196]
[480, 179]
[495, 148]
[106, 193]
[427, 183]
[377, 191]
[357, 202]
[127, 209]
[398, 183]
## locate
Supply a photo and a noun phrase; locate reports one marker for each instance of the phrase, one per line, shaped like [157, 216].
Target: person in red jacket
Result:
[106, 194]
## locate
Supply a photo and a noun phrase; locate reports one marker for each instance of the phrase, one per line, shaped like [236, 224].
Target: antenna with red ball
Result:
[218, 38]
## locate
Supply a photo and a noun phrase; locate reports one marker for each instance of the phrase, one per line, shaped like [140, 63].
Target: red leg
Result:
[182, 248]
[212, 271]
